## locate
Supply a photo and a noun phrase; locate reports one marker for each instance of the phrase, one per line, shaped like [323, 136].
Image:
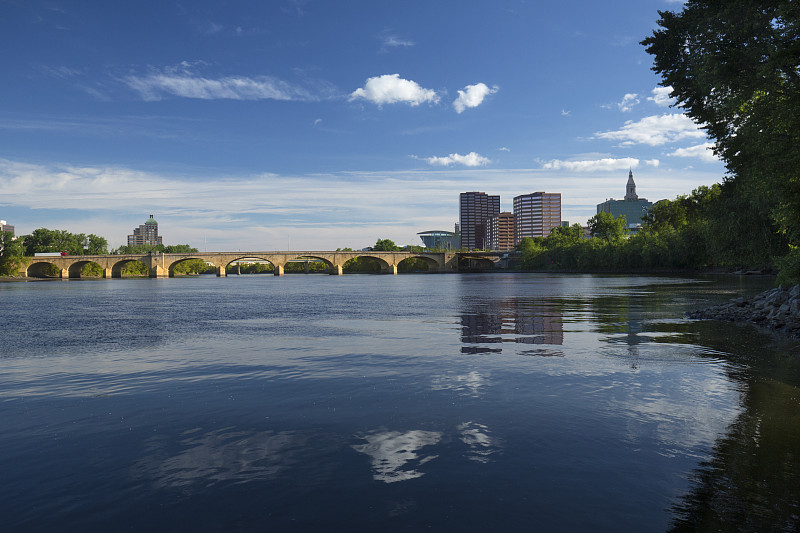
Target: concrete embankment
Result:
[777, 309]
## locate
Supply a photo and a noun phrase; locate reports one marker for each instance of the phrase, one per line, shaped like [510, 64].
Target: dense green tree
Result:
[11, 253]
[608, 228]
[733, 66]
[95, 245]
[179, 249]
[566, 236]
[55, 240]
[385, 245]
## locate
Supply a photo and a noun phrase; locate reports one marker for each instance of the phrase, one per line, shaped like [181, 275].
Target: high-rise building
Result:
[536, 214]
[500, 231]
[475, 208]
[633, 207]
[6, 227]
[147, 234]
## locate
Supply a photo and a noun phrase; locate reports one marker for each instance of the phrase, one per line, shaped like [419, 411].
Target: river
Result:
[463, 402]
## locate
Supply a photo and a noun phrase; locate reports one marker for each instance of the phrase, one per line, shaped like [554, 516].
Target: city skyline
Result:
[304, 124]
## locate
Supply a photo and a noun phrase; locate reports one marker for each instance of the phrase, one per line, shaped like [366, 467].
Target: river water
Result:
[473, 402]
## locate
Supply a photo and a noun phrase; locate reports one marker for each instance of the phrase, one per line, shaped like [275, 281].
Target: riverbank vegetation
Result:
[733, 68]
[712, 228]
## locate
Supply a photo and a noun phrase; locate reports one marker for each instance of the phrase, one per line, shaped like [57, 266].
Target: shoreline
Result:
[776, 309]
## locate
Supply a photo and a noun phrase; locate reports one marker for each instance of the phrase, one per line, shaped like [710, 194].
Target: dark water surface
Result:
[498, 402]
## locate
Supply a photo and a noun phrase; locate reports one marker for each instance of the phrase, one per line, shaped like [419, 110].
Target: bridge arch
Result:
[227, 262]
[383, 266]
[116, 268]
[42, 269]
[173, 264]
[329, 265]
[76, 268]
[430, 264]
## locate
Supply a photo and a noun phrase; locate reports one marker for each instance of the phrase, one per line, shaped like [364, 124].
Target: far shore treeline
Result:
[732, 67]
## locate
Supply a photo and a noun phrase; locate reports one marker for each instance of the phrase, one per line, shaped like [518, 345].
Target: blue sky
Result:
[310, 124]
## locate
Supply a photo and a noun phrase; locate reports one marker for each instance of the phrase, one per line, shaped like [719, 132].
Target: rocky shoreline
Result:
[777, 309]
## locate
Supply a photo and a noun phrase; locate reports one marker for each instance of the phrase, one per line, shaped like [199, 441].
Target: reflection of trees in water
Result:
[752, 481]
[512, 320]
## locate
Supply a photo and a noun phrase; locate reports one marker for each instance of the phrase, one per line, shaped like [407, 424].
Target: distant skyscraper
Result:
[633, 207]
[147, 234]
[500, 231]
[475, 208]
[536, 214]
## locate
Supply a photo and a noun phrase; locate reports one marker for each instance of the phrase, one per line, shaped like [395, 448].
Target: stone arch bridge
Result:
[161, 265]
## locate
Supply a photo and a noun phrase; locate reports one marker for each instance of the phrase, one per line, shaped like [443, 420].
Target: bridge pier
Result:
[64, 273]
[336, 270]
[107, 274]
[278, 270]
[221, 272]
[159, 272]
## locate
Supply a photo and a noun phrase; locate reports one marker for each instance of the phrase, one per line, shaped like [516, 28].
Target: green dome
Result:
[151, 220]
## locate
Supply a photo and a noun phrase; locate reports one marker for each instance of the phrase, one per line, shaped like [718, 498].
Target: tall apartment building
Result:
[147, 234]
[500, 231]
[475, 208]
[536, 214]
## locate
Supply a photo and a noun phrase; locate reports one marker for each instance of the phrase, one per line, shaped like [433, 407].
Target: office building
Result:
[536, 214]
[475, 208]
[6, 227]
[633, 207]
[440, 239]
[500, 231]
[146, 234]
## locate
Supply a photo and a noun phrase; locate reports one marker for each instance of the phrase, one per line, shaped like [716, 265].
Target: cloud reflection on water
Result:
[471, 383]
[394, 455]
[481, 444]
[220, 456]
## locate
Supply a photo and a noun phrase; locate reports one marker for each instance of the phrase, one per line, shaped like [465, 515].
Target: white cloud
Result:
[598, 165]
[704, 152]
[628, 102]
[182, 82]
[655, 130]
[389, 40]
[472, 96]
[661, 96]
[471, 159]
[391, 89]
[504, 149]
[223, 211]
[565, 112]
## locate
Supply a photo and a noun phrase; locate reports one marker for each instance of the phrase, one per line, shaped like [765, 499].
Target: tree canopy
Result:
[385, 245]
[156, 248]
[57, 240]
[734, 67]
[608, 228]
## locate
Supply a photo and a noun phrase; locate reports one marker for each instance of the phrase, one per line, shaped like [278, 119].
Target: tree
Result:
[58, 240]
[565, 236]
[733, 66]
[96, 245]
[385, 245]
[11, 253]
[608, 228]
